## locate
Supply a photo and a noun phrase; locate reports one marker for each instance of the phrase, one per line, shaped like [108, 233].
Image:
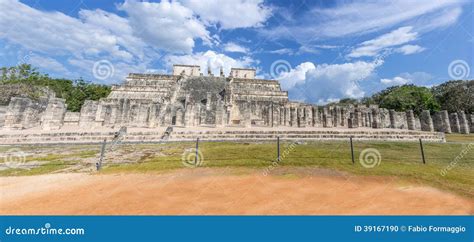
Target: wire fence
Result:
[162, 155]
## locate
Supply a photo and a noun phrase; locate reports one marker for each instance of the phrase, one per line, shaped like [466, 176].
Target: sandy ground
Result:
[223, 191]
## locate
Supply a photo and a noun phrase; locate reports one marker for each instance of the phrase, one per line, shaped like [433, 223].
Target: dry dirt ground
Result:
[206, 191]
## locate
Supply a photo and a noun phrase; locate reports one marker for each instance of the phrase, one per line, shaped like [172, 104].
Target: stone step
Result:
[221, 135]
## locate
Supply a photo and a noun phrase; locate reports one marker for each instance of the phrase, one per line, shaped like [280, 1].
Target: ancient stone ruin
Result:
[187, 98]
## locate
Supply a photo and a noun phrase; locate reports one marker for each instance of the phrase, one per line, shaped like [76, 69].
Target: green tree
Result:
[27, 81]
[455, 95]
[406, 97]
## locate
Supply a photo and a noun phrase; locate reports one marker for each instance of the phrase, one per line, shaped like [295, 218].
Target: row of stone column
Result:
[25, 113]
[51, 114]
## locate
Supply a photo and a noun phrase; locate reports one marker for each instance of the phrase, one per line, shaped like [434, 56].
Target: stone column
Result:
[471, 123]
[309, 116]
[376, 118]
[282, 116]
[426, 122]
[410, 120]
[454, 123]
[327, 118]
[441, 122]
[208, 101]
[366, 119]
[220, 113]
[446, 124]
[301, 120]
[88, 114]
[197, 115]
[288, 117]
[247, 113]
[293, 115]
[179, 117]
[352, 122]
[393, 118]
[338, 121]
[343, 117]
[316, 119]
[417, 124]
[53, 118]
[384, 118]
[463, 123]
[358, 117]
[151, 120]
[275, 115]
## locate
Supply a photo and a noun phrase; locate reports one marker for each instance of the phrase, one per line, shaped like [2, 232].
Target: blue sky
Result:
[320, 51]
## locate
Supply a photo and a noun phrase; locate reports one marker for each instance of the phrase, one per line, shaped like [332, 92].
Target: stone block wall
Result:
[88, 114]
[71, 118]
[470, 119]
[24, 113]
[426, 122]
[463, 123]
[454, 123]
[398, 120]
[441, 122]
[3, 111]
[53, 117]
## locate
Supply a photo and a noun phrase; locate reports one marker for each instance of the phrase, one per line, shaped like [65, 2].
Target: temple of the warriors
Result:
[189, 101]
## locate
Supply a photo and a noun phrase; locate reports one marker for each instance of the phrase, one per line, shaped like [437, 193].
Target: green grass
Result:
[51, 160]
[449, 166]
[460, 137]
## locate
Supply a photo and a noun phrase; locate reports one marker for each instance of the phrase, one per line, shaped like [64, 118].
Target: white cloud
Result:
[209, 58]
[327, 82]
[120, 69]
[362, 17]
[397, 37]
[166, 25]
[120, 29]
[231, 14]
[410, 49]
[394, 81]
[57, 33]
[295, 76]
[283, 51]
[233, 47]
[47, 64]
[418, 78]
[131, 43]
[307, 49]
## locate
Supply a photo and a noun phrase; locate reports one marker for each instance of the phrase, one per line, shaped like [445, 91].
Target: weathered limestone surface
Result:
[72, 118]
[471, 122]
[89, 113]
[454, 123]
[441, 122]
[410, 120]
[187, 98]
[426, 121]
[24, 113]
[3, 111]
[463, 123]
[53, 117]
[398, 120]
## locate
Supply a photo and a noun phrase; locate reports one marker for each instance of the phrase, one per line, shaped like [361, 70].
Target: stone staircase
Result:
[304, 135]
[219, 135]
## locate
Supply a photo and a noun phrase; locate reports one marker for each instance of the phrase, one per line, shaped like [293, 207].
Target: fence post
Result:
[422, 152]
[352, 151]
[278, 149]
[197, 152]
[102, 153]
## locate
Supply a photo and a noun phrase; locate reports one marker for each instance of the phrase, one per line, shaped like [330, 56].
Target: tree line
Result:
[455, 95]
[26, 81]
